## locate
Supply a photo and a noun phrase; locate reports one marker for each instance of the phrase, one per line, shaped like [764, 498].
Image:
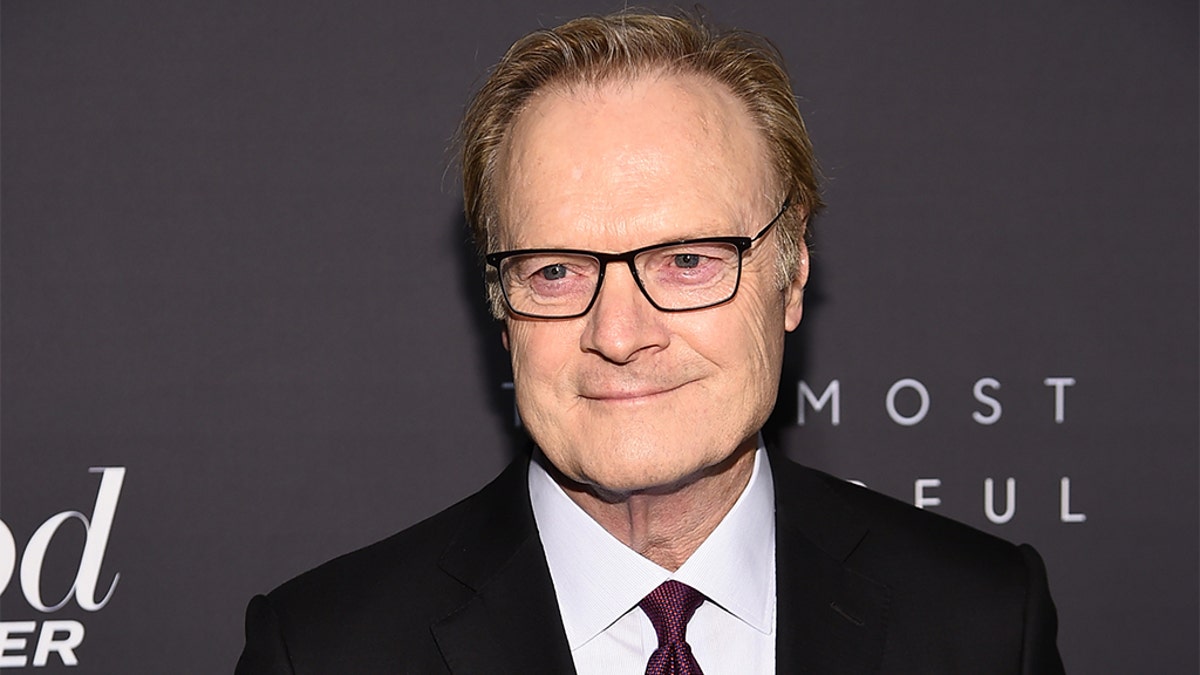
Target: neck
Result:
[667, 524]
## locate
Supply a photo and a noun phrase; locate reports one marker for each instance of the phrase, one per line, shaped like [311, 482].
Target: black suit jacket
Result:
[866, 584]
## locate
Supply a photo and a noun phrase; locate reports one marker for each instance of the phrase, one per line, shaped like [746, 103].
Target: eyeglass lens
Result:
[673, 277]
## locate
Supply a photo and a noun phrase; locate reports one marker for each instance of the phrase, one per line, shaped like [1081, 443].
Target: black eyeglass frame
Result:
[742, 244]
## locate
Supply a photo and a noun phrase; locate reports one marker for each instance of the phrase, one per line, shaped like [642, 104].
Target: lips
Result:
[627, 394]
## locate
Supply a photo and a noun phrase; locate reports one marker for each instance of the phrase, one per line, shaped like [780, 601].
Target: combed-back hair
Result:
[595, 50]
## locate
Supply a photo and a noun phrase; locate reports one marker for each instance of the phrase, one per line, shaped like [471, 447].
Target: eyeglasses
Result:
[557, 283]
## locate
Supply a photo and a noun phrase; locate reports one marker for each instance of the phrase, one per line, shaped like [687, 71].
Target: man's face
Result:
[627, 397]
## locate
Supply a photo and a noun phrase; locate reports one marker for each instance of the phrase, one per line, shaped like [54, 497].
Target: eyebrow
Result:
[697, 233]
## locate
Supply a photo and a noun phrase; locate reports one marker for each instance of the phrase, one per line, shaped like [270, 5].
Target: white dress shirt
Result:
[599, 582]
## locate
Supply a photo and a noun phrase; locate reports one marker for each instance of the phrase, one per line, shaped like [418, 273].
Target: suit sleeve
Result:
[265, 652]
[1039, 650]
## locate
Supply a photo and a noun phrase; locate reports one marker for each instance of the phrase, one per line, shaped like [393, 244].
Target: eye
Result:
[553, 272]
[687, 260]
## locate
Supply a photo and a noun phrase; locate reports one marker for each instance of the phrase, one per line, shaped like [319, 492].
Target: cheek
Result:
[538, 350]
[528, 366]
[518, 341]
[757, 330]
[742, 348]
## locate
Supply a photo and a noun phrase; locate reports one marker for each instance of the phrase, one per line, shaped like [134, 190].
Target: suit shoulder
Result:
[899, 533]
[402, 570]
[372, 610]
[398, 571]
[957, 599]
[398, 555]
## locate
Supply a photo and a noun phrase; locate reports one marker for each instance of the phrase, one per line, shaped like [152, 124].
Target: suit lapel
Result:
[830, 619]
[511, 623]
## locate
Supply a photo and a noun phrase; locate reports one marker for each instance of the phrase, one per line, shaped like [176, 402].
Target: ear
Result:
[794, 302]
[504, 336]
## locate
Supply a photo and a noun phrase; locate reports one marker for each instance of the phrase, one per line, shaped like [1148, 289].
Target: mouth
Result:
[630, 394]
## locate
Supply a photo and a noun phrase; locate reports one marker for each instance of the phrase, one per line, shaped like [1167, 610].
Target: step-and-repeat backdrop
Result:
[241, 331]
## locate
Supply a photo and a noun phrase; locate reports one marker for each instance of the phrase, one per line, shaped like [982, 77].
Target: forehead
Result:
[630, 156]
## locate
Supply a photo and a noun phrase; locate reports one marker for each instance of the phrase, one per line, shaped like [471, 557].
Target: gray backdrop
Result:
[233, 265]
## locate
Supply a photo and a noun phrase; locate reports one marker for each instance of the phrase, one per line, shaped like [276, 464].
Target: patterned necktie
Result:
[670, 607]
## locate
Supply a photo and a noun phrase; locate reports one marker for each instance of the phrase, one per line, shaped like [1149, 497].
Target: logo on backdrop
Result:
[826, 404]
[37, 642]
[809, 402]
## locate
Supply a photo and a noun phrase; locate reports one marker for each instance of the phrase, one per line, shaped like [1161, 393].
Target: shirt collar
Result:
[598, 579]
[735, 566]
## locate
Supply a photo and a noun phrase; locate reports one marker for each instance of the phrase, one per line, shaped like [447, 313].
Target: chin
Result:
[626, 470]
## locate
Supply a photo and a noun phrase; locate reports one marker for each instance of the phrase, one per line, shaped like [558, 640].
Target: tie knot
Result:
[670, 607]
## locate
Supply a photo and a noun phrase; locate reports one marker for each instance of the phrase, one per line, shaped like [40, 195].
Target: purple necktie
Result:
[670, 607]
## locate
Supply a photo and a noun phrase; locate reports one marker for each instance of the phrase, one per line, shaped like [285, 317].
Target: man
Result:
[640, 188]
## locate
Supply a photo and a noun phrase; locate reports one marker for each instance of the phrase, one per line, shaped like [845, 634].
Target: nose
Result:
[622, 324]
